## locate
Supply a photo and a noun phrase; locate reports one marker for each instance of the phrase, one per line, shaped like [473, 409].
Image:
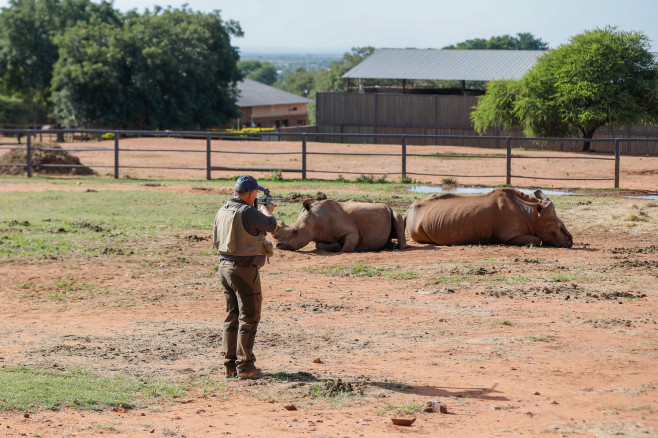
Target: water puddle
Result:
[651, 197]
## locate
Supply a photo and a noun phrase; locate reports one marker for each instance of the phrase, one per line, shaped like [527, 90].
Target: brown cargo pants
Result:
[243, 305]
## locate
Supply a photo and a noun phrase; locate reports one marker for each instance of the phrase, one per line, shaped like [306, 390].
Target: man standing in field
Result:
[239, 238]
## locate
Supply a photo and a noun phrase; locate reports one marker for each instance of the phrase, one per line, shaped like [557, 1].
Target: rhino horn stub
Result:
[307, 204]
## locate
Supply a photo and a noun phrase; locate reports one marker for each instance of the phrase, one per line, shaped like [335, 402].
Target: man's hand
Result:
[267, 210]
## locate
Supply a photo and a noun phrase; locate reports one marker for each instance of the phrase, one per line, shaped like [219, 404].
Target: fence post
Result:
[404, 157]
[303, 156]
[208, 157]
[116, 155]
[28, 156]
[508, 179]
[616, 163]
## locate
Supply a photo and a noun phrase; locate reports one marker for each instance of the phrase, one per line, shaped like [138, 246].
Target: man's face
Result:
[252, 197]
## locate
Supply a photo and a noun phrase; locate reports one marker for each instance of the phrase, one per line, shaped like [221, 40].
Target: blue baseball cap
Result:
[247, 183]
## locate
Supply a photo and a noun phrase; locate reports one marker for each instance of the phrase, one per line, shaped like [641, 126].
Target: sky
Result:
[310, 26]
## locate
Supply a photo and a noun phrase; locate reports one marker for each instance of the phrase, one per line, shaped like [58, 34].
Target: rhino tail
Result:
[397, 225]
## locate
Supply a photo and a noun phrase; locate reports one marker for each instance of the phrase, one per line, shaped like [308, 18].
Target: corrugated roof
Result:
[254, 93]
[432, 64]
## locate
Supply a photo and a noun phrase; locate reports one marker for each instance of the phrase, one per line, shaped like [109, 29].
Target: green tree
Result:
[601, 77]
[522, 41]
[332, 79]
[264, 72]
[92, 78]
[166, 69]
[27, 48]
[497, 106]
[13, 111]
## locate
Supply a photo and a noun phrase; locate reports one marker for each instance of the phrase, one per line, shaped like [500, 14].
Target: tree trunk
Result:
[586, 144]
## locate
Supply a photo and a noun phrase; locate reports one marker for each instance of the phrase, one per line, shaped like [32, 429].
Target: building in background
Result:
[264, 106]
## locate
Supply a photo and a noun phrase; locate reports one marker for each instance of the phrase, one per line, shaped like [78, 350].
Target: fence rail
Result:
[303, 137]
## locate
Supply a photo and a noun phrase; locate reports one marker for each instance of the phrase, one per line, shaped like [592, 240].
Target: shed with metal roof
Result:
[432, 64]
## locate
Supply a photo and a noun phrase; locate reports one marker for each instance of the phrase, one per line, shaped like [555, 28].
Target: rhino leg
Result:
[328, 247]
[351, 240]
[524, 239]
[398, 228]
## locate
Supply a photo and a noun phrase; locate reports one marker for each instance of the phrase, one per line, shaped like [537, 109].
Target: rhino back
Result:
[455, 220]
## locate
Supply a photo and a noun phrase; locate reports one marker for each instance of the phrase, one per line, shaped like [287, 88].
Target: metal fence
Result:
[215, 143]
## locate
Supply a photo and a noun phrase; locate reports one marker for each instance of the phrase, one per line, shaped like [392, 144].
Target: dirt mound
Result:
[43, 154]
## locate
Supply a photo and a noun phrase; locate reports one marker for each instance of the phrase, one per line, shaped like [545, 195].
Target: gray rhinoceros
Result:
[504, 216]
[343, 226]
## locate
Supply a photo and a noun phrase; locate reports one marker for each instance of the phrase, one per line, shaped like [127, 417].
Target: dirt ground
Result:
[514, 341]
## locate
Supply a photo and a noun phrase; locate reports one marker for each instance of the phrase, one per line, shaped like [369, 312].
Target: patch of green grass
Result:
[505, 322]
[33, 390]
[212, 388]
[370, 179]
[406, 275]
[68, 287]
[361, 270]
[455, 280]
[562, 277]
[53, 223]
[332, 389]
[513, 279]
[408, 408]
[407, 180]
[100, 428]
[448, 181]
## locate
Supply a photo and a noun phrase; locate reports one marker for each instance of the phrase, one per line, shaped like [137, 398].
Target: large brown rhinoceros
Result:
[504, 215]
[348, 226]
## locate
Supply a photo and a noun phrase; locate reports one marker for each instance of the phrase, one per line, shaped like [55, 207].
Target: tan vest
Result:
[230, 237]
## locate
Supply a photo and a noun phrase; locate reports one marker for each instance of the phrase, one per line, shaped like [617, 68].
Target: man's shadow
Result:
[479, 393]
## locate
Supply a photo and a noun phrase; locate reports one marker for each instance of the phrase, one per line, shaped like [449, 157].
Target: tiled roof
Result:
[253, 93]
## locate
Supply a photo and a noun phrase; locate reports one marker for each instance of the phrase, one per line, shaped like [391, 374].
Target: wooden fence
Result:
[214, 138]
[438, 115]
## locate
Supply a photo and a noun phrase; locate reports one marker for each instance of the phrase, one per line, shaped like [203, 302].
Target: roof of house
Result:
[253, 93]
[432, 64]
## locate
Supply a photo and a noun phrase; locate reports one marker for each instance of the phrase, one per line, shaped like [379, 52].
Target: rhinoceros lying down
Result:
[504, 215]
[348, 226]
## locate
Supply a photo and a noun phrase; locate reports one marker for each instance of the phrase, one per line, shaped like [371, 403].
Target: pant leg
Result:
[245, 281]
[231, 321]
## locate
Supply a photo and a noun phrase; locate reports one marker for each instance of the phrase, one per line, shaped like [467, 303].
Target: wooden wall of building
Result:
[413, 114]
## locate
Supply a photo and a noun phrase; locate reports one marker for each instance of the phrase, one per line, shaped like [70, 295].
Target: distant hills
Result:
[292, 61]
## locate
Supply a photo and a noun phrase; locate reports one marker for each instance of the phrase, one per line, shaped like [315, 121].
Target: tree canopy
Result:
[27, 48]
[261, 71]
[601, 77]
[93, 66]
[522, 41]
[307, 83]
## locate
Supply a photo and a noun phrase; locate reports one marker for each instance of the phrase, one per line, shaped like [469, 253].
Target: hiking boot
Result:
[250, 373]
[231, 370]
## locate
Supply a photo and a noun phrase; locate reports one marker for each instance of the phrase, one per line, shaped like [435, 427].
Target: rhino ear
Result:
[307, 204]
[540, 195]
